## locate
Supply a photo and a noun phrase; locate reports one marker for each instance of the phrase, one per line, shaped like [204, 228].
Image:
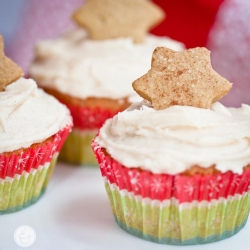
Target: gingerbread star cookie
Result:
[181, 78]
[107, 19]
[9, 71]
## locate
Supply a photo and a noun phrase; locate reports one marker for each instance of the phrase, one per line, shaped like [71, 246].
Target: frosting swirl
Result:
[174, 139]
[28, 115]
[80, 67]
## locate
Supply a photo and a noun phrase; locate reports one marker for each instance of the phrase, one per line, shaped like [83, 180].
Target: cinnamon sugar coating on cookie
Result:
[107, 19]
[181, 78]
[9, 71]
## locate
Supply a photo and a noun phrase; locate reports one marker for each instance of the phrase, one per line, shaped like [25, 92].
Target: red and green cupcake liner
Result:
[87, 121]
[175, 209]
[77, 149]
[24, 176]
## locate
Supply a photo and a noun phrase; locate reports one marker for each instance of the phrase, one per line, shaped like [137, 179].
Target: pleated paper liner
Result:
[178, 210]
[89, 118]
[87, 121]
[77, 148]
[24, 176]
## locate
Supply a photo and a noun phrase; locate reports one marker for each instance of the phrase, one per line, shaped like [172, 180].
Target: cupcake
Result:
[90, 69]
[33, 128]
[176, 166]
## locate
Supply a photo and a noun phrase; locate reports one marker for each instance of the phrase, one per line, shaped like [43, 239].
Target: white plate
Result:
[74, 214]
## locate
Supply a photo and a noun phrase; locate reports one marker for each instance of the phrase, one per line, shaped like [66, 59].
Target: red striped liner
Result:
[89, 118]
[32, 158]
[163, 186]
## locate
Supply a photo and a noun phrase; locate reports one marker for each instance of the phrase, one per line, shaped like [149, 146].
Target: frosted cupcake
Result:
[90, 69]
[33, 128]
[177, 166]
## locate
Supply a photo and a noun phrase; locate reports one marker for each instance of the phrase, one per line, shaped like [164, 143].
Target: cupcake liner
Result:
[178, 210]
[25, 175]
[23, 190]
[77, 149]
[87, 121]
[89, 118]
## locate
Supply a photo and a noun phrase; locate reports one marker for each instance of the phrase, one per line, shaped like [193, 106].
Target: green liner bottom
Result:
[77, 148]
[170, 241]
[25, 190]
[178, 224]
[24, 205]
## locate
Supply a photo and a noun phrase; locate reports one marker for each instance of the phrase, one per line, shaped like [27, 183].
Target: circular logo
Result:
[25, 236]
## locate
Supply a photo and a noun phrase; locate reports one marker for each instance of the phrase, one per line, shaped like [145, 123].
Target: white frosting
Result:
[80, 67]
[174, 139]
[28, 115]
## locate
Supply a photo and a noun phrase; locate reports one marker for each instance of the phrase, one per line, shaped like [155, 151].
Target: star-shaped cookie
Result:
[107, 19]
[181, 78]
[9, 71]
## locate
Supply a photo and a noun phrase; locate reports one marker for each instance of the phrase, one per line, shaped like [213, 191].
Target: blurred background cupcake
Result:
[177, 169]
[33, 128]
[91, 67]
